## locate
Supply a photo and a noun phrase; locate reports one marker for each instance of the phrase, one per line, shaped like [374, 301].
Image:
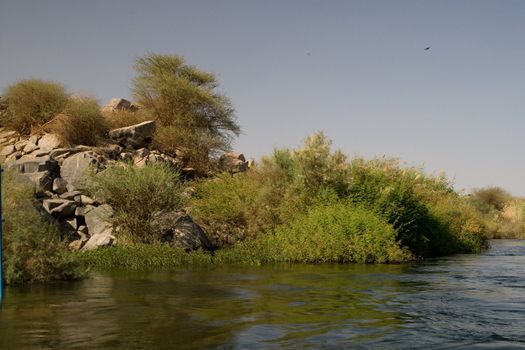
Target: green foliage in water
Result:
[137, 194]
[139, 256]
[33, 251]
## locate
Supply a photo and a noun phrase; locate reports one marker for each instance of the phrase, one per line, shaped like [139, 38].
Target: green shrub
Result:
[489, 198]
[461, 226]
[32, 103]
[80, 123]
[144, 257]
[390, 191]
[136, 194]
[339, 233]
[230, 208]
[33, 250]
[184, 98]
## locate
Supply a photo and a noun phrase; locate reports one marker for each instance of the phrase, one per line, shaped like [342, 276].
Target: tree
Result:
[185, 103]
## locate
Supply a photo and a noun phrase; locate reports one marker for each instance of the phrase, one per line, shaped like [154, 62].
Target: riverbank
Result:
[460, 301]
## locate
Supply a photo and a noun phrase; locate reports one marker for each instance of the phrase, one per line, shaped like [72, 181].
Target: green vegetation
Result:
[191, 115]
[33, 250]
[504, 215]
[140, 256]
[341, 232]
[137, 194]
[79, 123]
[274, 209]
[32, 103]
[306, 205]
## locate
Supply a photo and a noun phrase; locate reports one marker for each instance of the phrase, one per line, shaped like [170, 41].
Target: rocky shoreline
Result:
[59, 175]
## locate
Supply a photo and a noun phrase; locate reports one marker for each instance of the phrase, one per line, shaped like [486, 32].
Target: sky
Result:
[358, 70]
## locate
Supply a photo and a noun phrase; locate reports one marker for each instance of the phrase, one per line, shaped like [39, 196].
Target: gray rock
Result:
[181, 231]
[36, 164]
[110, 151]
[7, 134]
[60, 208]
[34, 139]
[74, 169]
[48, 142]
[141, 153]
[117, 103]
[233, 162]
[85, 200]
[42, 180]
[30, 147]
[137, 136]
[99, 240]
[7, 150]
[82, 211]
[99, 220]
[19, 146]
[70, 195]
[59, 185]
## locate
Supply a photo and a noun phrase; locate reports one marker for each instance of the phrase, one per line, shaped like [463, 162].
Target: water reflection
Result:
[457, 301]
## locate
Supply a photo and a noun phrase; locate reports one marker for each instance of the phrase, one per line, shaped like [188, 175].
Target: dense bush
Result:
[139, 256]
[33, 250]
[79, 123]
[32, 103]
[137, 194]
[339, 232]
[184, 98]
[428, 216]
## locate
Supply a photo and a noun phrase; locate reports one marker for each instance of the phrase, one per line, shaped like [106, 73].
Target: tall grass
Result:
[33, 249]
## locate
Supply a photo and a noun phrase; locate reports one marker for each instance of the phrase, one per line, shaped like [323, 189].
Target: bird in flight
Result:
[427, 48]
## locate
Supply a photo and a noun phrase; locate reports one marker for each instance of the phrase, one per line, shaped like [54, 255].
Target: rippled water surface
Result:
[465, 301]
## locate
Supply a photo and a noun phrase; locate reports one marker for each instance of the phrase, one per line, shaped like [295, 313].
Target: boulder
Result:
[82, 211]
[30, 147]
[74, 169]
[116, 104]
[42, 180]
[19, 146]
[97, 241]
[36, 164]
[70, 195]
[60, 208]
[99, 220]
[100, 227]
[233, 162]
[48, 142]
[34, 139]
[137, 136]
[7, 150]
[180, 230]
[59, 185]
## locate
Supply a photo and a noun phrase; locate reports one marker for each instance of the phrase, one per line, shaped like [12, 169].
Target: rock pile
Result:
[59, 176]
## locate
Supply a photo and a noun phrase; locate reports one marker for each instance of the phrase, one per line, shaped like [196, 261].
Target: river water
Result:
[464, 302]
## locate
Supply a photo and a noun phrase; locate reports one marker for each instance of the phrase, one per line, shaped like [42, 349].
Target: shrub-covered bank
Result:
[162, 186]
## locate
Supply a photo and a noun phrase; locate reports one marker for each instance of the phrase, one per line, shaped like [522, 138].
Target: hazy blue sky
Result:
[355, 69]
